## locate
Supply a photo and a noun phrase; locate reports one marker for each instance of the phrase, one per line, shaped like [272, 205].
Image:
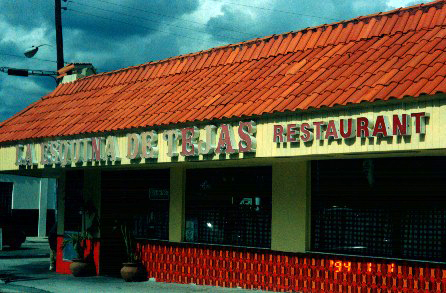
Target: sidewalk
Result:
[52, 282]
[26, 270]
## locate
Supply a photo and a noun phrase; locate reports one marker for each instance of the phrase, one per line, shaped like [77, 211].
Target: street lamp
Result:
[31, 52]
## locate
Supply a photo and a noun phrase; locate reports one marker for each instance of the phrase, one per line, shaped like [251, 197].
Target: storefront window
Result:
[391, 207]
[229, 206]
[138, 199]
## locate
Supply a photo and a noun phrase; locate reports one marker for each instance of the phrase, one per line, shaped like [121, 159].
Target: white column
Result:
[43, 206]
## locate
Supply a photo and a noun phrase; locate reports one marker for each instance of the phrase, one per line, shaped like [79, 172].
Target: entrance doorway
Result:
[138, 199]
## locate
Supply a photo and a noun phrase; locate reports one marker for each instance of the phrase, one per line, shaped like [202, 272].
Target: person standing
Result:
[52, 240]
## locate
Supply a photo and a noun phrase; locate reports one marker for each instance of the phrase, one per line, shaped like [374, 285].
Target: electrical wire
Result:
[174, 17]
[39, 59]
[147, 19]
[276, 10]
[18, 56]
[132, 24]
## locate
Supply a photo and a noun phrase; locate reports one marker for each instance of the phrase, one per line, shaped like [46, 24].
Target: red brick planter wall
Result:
[63, 267]
[284, 272]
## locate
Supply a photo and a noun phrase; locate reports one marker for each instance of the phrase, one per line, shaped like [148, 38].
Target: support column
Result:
[290, 227]
[177, 203]
[43, 207]
[60, 203]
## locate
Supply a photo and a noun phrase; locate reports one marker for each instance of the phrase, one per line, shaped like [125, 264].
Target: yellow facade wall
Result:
[7, 158]
[177, 203]
[435, 138]
[290, 220]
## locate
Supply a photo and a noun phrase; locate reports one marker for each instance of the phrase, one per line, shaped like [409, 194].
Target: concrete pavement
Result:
[26, 270]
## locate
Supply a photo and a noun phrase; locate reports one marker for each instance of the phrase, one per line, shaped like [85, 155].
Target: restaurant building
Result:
[306, 161]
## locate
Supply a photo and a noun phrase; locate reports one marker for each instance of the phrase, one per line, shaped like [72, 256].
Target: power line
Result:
[276, 10]
[52, 61]
[174, 17]
[147, 19]
[33, 58]
[18, 56]
[132, 24]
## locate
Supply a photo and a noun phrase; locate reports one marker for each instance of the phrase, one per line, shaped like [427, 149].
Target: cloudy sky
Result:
[113, 34]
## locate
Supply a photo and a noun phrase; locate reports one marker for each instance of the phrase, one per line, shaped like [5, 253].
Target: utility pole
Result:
[59, 39]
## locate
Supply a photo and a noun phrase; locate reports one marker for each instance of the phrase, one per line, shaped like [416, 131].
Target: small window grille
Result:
[392, 207]
[230, 206]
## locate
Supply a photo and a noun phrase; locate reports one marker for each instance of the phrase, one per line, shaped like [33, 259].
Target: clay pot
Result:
[132, 272]
[80, 268]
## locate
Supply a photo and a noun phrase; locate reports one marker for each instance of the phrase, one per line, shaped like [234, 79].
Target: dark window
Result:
[139, 198]
[74, 196]
[6, 199]
[229, 206]
[391, 207]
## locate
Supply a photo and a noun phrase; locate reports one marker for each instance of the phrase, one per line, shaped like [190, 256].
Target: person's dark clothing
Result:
[52, 237]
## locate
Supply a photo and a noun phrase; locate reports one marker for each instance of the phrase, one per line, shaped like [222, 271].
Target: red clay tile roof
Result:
[377, 57]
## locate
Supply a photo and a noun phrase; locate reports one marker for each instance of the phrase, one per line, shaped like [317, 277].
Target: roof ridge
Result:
[177, 57]
[267, 38]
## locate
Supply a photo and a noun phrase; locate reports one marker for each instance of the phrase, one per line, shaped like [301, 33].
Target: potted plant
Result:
[79, 267]
[132, 270]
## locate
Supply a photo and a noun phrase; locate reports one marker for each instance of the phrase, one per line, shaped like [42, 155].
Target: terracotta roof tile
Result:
[441, 18]
[295, 102]
[208, 61]
[275, 46]
[387, 55]
[322, 40]
[313, 39]
[295, 38]
[286, 40]
[195, 60]
[268, 45]
[415, 20]
[256, 49]
[300, 46]
[390, 24]
[440, 83]
[239, 112]
[336, 31]
[227, 53]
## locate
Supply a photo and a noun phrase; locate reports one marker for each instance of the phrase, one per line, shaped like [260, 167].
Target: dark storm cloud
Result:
[125, 18]
[104, 39]
[27, 14]
[18, 92]
[274, 19]
[115, 36]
